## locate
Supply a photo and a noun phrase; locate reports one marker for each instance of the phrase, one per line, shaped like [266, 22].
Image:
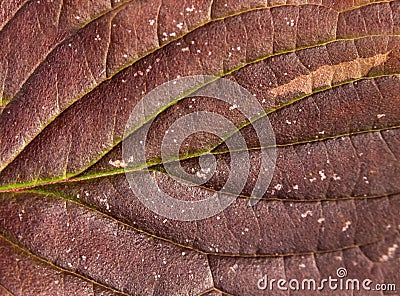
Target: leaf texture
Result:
[326, 74]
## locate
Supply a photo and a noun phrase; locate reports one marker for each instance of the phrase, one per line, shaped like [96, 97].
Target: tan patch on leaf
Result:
[330, 74]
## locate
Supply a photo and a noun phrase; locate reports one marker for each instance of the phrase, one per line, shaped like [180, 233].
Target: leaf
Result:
[326, 75]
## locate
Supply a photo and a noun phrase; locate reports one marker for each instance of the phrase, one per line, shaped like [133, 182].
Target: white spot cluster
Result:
[390, 253]
[117, 163]
[307, 213]
[346, 226]
[322, 175]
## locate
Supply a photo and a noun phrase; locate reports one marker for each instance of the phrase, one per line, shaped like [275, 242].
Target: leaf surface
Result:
[326, 75]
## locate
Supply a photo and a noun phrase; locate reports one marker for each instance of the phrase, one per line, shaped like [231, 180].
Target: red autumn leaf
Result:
[327, 77]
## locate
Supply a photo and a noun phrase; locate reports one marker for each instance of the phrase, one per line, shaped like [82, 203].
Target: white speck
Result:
[152, 22]
[173, 34]
[77, 17]
[366, 180]
[238, 48]
[234, 267]
[380, 115]
[313, 179]
[292, 23]
[83, 257]
[209, 53]
[233, 107]
[296, 187]
[304, 215]
[189, 9]
[185, 49]
[87, 193]
[302, 265]
[320, 220]
[392, 250]
[278, 187]
[322, 132]
[203, 173]
[390, 254]
[336, 177]
[180, 26]
[69, 44]
[117, 163]
[69, 264]
[384, 258]
[125, 55]
[285, 74]
[105, 202]
[218, 217]
[288, 121]
[165, 221]
[183, 253]
[322, 174]
[97, 38]
[198, 51]
[346, 226]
